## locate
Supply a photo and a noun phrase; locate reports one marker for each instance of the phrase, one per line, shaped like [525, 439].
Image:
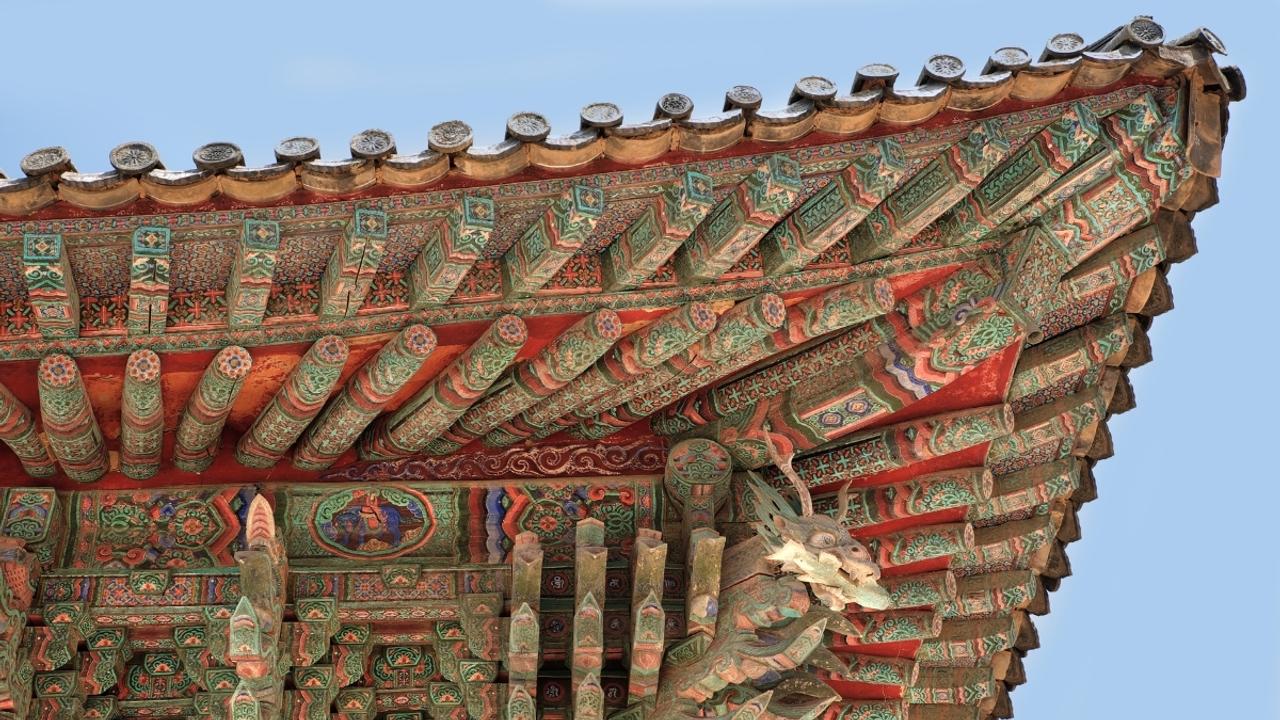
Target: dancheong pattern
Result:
[765, 414]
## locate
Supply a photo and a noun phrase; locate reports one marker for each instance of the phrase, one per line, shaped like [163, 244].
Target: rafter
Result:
[1122, 131]
[929, 193]
[630, 357]
[736, 330]
[563, 359]
[199, 435]
[893, 446]
[18, 431]
[252, 271]
[69, 423]
[738, 221]
[1028, 171]
[834, 210]
[921, 495]
[452, 246]
[724, 350]
[363, 397]
[551, 240]
[141, 416]
[149, 281]
[352, 265]
[51, 287]
[653, 237]
[292, 408]
[434, 408]
[832, 311]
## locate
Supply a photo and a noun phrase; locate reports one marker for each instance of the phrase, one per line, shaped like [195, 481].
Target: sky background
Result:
[1173, 610]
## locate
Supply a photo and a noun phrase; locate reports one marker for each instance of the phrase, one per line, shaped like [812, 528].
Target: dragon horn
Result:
[783, 462]
[842, 498]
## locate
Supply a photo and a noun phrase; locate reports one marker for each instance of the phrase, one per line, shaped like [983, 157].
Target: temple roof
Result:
[929, 295]
[817, 111]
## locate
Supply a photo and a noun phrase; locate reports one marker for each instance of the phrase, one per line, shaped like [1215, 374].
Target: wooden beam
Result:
[971, 641]
[18, 431]
[1028, 172]
[199, 433]
[551, 240]
[702, 576]
[808, 319]
[1122, 131]
[739, 221]
[559, 362]
[894, 446]
[725, 350]
[453, 245]
[588, 698]
[299, 399]
[141, 416]
[827, 404]
[352, 265]
[1050, 432]
[149, 281]
[523, 634]
[1071, 362]
[986, 595]
[1085, 223]
[1021, 491]
[69, 423]
[834, 210]
[930, 192]
[520, 704]
[17, 570]
[252, 272]
[918, 543]
[1011, 544]
[434, 408]
[648, 620]
[653, 237]
[920, 495]
[51, 287]
[630, 357]
[363, 397]
[588, 618]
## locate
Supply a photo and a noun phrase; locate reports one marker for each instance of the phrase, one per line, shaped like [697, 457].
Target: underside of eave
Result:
[1009, 440]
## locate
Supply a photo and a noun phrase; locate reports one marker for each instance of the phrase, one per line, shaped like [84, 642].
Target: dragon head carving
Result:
[816, 548]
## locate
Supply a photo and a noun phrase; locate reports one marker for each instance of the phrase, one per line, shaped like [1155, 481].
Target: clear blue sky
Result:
[1174, 608]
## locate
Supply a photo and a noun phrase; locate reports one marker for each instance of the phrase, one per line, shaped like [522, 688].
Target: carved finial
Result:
[260, 527]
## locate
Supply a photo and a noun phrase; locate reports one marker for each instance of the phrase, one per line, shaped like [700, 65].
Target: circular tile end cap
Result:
[743, 97]
[528, 127]
[601, 115]
[217, 156]
[372, 144]
[814, 87]
[298, 149]
[943, 68]
[451, 136]
[46, 161]
[875, 75]
[135, 158]
[676, 106]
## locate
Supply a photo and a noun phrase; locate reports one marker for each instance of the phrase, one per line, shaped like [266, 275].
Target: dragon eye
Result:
[822, 540]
